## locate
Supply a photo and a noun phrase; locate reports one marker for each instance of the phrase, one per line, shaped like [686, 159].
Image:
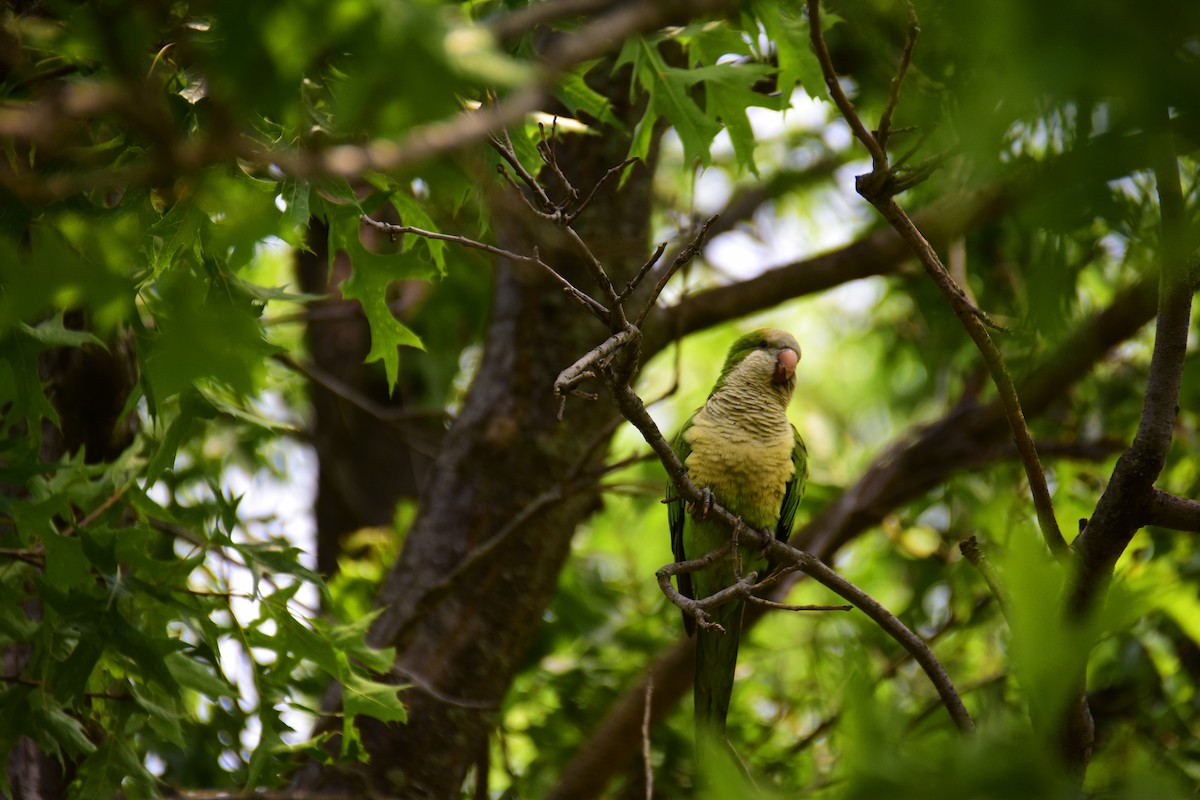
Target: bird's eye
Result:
[762, 345]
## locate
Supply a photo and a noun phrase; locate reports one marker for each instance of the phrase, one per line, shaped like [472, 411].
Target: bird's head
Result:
[764, 358]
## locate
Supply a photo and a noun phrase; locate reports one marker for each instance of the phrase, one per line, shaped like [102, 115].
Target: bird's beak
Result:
[785, 365]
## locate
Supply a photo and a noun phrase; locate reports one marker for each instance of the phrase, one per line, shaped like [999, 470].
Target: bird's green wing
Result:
[795, 489]
[676, 519]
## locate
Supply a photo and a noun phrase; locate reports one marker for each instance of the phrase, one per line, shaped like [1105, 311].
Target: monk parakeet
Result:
[741, 447]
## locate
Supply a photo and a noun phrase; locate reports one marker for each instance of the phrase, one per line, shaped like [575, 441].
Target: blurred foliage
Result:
[158, 631]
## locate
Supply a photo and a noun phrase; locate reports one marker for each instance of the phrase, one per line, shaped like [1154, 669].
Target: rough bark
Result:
[504, 478]
[365, 464]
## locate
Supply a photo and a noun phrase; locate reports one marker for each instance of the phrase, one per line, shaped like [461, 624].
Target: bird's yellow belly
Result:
[748, 474]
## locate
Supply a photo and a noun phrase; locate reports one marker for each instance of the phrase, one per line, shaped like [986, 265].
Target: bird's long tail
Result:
[716, 660]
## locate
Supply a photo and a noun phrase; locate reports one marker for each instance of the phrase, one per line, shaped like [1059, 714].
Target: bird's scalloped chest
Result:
[747, 467]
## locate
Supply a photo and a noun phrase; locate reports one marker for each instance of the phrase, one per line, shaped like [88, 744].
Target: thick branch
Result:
[1171, 511]
[1128, 499]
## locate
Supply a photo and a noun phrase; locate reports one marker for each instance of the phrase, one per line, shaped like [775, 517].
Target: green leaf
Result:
[53, 333]
[295, 194]
[370, 279]
[270, 742]
[67, 680]
[67, 568]
[146, 653]
[787, 29]
[577, 96]
[670, 91]
[241, 213]
[58, 729]
[412, 213]
[114, 766]
[20, 376]
[351, 639]
[362, 696]
[163, 712]
[193, 408]
[192, 673]
[729, 91]
[204, 333]
[178, 229]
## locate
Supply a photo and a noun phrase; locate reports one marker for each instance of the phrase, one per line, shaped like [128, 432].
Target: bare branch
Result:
[400, 419]
[589, 363]
[697, 609]
[969, 316]
[546, 151]
[643, 272]
[1171, 511]
[600, 275]
[504, 147]
[605, 178]
[878, 155]
[762, 601]
[681, 260]
[597, 310]
[910, 40]
[512, 26]
[1130, 499]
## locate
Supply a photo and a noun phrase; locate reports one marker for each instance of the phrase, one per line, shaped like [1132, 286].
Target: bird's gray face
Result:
[775, 358]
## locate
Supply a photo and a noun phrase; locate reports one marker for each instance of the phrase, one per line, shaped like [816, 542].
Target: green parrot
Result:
[741, 448]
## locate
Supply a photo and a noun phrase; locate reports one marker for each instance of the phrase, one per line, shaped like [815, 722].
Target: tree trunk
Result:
[365, 464]
[509, 486]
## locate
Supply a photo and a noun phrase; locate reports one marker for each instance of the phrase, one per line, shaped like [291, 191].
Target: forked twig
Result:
[879, 187]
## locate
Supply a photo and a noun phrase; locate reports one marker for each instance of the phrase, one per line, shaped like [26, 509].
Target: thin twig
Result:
[426, 686]
[693, 607]
[506, 151]
[641, 273]
[684, 257]
[592, 361]
[605, 178]
[910, 40]
[108, 503]
[878, 155]
[762, 601]
[521, 193]
[597, 309]
[600, 276]
[646, 761]
[34, 558]
[546, 151]
[400, 419]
